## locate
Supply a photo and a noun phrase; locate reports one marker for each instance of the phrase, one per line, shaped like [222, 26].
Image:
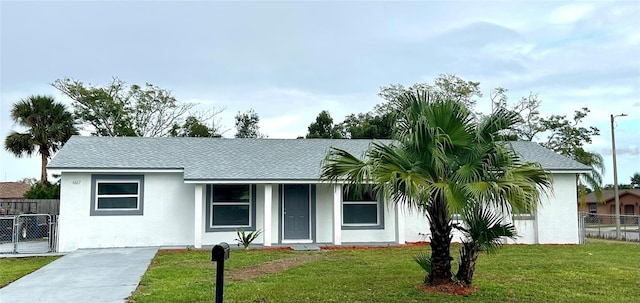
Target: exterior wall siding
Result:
[556, 219]
[324, 213]
[167, 218]
[169, 209]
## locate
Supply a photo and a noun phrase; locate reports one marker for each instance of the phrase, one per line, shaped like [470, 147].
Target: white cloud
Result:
[571, 13]
[288, 61]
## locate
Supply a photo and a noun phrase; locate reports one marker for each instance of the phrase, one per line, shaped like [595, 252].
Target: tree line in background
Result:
[118, 109]
[564, 135]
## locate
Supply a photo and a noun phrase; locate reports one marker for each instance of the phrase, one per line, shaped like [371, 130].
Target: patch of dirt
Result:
[281, 248]
[449, 289]
[357, 247]
[255, 271]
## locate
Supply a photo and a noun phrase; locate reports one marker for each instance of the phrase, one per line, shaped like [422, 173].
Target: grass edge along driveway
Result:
[12, 269]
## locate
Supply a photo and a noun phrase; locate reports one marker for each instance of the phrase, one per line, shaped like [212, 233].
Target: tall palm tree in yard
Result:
[442, 161]
[48, 126]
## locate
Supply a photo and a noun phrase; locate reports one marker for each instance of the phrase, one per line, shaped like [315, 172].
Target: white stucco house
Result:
[125, 192]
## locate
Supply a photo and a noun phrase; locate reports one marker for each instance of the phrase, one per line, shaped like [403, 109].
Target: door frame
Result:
[312, 215]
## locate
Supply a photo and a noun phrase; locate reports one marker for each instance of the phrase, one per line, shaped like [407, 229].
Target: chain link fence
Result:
[28, 233]
[603, 226]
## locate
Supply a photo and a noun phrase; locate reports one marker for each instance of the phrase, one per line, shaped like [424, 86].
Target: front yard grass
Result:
[601, 271]
[12, 269]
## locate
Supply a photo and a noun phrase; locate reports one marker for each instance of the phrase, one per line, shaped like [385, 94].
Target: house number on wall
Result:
[76, 181]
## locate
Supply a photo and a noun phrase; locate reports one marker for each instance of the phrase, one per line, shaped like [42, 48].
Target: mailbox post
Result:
[220, 253]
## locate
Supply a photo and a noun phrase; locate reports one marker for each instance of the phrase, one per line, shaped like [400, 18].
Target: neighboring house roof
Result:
[13, 190]
[608, 195]
[237, 159]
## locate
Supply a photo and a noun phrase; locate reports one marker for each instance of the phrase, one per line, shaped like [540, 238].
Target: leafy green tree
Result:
[118, 110]
[568, 138]
[528, 108]
[620, 186]
[443, 161]
[48, 127]
[563, 135]
[445, 86]
[43, 191]
[323, 127]
[368, 126]
[247, 125]
[193, 127]
[635, 180]
[378, 123]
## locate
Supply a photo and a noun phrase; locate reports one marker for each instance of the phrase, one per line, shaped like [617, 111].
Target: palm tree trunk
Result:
[43, 168]
[468, 257]
[440, 226]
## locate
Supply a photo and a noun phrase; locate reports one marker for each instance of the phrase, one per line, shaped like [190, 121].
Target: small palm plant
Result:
[424, 260]
[246, 238]
[483, 230]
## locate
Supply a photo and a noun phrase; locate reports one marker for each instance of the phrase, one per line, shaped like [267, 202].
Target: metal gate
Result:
[28, 233]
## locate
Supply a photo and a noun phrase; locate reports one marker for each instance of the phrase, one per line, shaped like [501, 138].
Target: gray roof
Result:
[236, 159]
[550, 160]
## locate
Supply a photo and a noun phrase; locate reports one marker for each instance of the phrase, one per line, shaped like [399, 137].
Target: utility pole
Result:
[615, 176]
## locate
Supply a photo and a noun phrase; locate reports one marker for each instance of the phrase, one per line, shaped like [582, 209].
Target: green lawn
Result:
[601, 271]
[12, 269]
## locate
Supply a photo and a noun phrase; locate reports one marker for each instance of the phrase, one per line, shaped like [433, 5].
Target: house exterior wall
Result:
[557, 216]
[167, 219]
[323, 219]
[169, 214]
[556, 220]
[627, 202]
[324, 213]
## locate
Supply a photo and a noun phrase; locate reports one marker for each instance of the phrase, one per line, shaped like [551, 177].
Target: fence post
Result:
[15, 235]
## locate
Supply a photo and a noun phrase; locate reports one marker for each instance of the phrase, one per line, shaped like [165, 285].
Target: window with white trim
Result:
[361, 209]
[117, 195]
[231, 206]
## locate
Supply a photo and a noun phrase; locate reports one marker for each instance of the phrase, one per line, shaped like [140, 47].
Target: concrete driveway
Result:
[87, 275]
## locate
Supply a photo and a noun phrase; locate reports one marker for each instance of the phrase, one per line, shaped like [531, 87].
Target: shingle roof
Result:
[235, 159]
[13, 190]
[550, 160]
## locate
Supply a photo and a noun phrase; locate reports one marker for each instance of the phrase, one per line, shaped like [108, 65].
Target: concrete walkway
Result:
[87, 275]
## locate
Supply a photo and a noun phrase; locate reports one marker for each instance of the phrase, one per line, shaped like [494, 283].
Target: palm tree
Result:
[441, 161]
[592, 179]
[49, 125]
[483, 230]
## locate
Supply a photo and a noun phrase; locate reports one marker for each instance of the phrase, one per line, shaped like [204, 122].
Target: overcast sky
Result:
[290, 60]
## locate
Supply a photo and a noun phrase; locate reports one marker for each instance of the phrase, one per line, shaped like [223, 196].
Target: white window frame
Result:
[377, 202]
[214, 203]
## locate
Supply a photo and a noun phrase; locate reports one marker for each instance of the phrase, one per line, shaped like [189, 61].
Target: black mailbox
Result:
[220, 252]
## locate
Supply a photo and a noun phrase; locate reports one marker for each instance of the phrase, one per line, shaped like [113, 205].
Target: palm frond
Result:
[485, 228]
[19, 144]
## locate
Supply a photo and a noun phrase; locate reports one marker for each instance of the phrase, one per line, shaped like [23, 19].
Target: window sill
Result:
[221, 229]
[524, 217]
[348, 227]
[137, 212]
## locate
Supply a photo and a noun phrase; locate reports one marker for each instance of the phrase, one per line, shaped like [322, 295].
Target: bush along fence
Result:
[603, 226]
